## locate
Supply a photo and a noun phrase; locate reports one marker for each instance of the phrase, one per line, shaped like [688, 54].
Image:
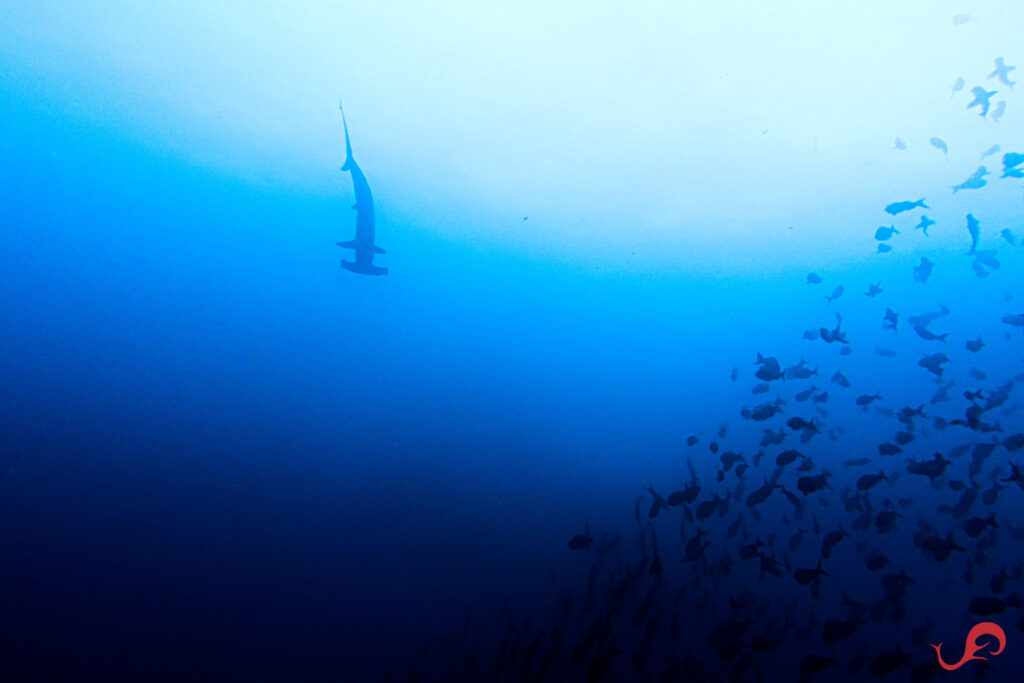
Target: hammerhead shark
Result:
[365, 230]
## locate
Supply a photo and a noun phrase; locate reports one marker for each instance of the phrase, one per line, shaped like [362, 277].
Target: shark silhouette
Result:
[363, 244]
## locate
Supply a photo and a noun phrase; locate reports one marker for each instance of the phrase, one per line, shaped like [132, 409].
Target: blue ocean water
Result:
[223, 457]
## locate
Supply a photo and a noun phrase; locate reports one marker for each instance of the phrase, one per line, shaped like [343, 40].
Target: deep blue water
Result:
[222, 457]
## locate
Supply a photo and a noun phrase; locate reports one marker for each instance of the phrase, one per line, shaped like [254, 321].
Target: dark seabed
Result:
[677, 373]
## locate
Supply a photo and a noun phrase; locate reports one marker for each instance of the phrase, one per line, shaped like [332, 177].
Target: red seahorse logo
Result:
[971, 647]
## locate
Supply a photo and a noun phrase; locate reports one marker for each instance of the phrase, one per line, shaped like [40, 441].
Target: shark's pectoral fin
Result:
[378, 250]
[351, 244]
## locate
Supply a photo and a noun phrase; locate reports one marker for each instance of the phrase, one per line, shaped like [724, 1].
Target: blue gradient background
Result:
[222, 453]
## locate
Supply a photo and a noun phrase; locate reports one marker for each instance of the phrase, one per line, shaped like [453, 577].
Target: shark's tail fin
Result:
[348, 143]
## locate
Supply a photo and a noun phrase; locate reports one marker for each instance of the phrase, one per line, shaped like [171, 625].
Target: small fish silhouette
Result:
[974, 229]
[924, 224]
[900, 207]
[884, 233]
[957, 86]
[981, 99]
[998, 112]
[1002, 72]
[899, 144]
[974, 181]
[923, 270]
[1011, 161]
[939, 144]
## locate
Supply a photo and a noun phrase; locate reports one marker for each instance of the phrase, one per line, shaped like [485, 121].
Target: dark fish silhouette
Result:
[900, 145]
[658, 503]
[601, 665]
[889, 449]
[884, 248]
[924, 224]
[923, 270]
[884, 233]
[985, 261]
[770, 438]
[976, 525]
[974, 228]
[957, 86]
[875, 562]
[986, 606]
[885, 522]
[941, 548]
[981, 99]
[1011, 165]
[805, 576]
[798, 423]
[874, 290]
[786, 457]
[869, 481]
[890, 320]
[801, 371]
[813, 279]
[760, 495]
[998, 111]
[934, 362]
[808, 484]
[834, 335]
[363, 244]
[763, 412]
[900, 207]
[770, 369]
[1008, 235]
[812, 664]
[1002, 72]
[974, 181]
[921, 322]
[694, 549]
[836, 293]
[998, 582]
[831, 540]
[929, 468]
[582, 541]
[864, 400]
[939, 144]
[887, 662]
